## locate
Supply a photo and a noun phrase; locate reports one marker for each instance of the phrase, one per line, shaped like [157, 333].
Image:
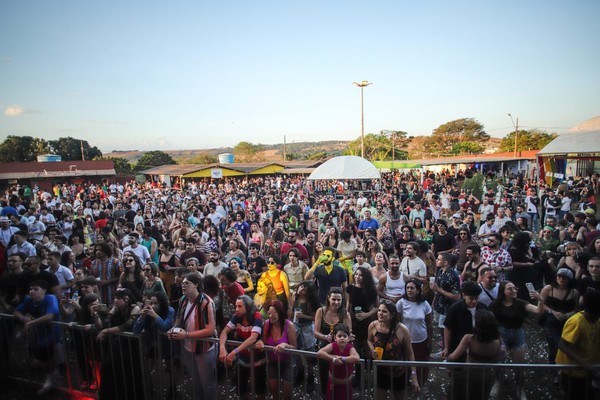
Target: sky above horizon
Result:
[149, 75]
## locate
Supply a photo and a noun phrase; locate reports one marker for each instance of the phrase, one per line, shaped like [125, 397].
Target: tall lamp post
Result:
[516, 126]
[362, 85]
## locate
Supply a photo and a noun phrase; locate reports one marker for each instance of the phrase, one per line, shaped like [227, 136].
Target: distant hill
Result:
[294, 151]
[274, 152]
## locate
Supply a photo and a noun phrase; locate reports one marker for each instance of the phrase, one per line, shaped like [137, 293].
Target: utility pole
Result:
[362, 85]
[82, 153]
[284, 150]
[516, 126]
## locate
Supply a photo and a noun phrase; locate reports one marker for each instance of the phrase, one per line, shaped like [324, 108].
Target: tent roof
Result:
[583, 139]
[345, 167]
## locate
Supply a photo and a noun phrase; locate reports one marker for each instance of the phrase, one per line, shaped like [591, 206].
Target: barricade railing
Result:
[124, 366]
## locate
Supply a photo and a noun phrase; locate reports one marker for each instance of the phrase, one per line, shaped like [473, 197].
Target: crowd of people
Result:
[409, 267]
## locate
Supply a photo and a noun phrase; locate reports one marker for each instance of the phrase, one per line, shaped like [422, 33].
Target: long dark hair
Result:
[342, 310]
[163, 304]
[312, 297]
[486, 326]
[84, 302]
[369, 289]
[395, 317]
[281, 313]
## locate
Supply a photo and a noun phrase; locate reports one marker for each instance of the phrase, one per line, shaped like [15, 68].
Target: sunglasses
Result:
[130, 260]
[385, 301]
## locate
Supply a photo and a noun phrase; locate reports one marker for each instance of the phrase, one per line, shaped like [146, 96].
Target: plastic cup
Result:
[379, 351]
[431, 280]
[357, 309]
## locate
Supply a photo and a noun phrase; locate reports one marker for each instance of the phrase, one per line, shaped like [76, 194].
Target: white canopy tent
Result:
[580, 140]
[574, 153]
[345, 167]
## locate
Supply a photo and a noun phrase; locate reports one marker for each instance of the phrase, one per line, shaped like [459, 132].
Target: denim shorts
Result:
[514, 339]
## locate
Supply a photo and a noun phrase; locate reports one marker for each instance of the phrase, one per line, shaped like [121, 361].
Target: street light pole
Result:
[516, 126]
[362, 85]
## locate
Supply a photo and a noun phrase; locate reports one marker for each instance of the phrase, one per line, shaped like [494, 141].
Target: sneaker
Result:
[436, 356]
[46, 387]
[495, 391]
[520, 393]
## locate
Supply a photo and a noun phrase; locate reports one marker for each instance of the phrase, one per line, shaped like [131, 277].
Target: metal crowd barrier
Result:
[128, 367]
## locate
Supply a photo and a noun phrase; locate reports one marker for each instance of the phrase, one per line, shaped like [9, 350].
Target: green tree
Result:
[318, 155]
[445, 136]
[533, 139]
[22, 148]
[122, 165]
[379, 146]
[70, 149]
[153, 159]
[466, 148]
[202, 159]
[248, 152]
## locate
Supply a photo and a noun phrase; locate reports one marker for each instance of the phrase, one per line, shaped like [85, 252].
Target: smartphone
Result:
[530, 287]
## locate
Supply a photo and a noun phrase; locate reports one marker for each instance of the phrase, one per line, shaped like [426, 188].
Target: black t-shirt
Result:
[585, 283]
[460, 322]
[26, 278]
[442, 243]
[510, 317]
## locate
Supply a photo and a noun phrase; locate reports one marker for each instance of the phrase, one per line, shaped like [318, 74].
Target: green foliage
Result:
[533, 139]
[474, 185]
[466, 148]
[122, 166]
[379, 146]
[447, 135]
[22, 149]
[70, 149]
[318, 155]
[201, 159]
[153, 159]
[248, 152]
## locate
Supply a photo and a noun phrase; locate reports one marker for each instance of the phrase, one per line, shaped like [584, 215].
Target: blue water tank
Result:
[49, 158]
[226, 158]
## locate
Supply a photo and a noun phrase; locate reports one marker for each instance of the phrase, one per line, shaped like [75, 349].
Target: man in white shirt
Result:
[6, 231]
[141, 252]
[63, 274]
[22, 245]
[215, 265]
[411, 265]
[488, 281]
[488, 228]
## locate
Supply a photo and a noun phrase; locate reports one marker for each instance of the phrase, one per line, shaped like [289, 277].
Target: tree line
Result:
[459, 137]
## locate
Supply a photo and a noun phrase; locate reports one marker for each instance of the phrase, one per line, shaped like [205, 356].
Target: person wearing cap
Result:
[6, 231]
[443, 241]
[561, 301]
[457, 222]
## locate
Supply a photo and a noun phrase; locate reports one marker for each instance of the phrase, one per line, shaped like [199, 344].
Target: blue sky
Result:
[200, 74]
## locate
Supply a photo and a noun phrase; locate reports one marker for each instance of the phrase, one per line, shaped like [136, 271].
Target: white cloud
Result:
[16, 110]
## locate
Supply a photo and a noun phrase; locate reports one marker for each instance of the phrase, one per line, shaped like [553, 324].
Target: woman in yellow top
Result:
[280, 282]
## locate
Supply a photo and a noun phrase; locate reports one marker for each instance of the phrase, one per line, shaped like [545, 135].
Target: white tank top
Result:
[394, 287]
